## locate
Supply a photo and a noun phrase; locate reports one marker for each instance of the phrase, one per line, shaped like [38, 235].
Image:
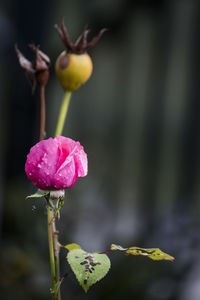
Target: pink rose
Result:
[56, 164]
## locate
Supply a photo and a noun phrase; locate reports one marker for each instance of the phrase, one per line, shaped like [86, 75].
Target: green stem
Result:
[56, 257]
[63, 113]
[52, 232]
[50, 218]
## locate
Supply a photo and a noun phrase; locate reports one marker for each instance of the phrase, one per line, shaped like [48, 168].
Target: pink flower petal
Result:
[57, 163]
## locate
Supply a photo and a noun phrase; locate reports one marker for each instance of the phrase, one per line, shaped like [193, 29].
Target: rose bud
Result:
[56, 164]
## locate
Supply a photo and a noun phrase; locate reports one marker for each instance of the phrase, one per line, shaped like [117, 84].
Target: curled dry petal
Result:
[63, 33]
[40, 54]
[55, 164]
[37, 71]
[95, 39]
[81, 45]
[23, 61]
[81, 42]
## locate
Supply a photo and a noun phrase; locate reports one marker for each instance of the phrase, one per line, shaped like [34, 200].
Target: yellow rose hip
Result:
[73, 70]
[74, 65]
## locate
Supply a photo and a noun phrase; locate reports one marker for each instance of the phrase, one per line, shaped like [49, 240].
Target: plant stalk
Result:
[42, 112]
[52, 236]
[56, 257]
[63, 113]
[50, 218]
[54, 248]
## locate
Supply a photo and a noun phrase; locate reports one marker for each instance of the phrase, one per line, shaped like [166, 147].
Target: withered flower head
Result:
[37, 71]
[81, 45]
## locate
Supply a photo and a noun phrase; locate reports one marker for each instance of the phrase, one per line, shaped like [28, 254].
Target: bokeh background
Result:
[138, 118]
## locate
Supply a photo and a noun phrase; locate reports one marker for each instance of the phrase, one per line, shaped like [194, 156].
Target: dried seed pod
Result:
[37, 71]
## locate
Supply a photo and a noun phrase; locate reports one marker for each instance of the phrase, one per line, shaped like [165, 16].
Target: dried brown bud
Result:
[38, 71]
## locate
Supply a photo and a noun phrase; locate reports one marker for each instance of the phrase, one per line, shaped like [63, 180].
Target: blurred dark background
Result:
[138, 119]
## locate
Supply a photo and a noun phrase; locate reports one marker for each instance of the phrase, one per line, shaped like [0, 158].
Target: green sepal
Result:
[39, 194]
[55, 200]
[88, 268]
[152, 253]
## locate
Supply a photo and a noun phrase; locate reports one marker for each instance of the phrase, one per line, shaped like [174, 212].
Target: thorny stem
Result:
[51, 252]
[52, 233]
[63, 113]
[42, 112]
[56, 256]
[54, 246]
[52, 236]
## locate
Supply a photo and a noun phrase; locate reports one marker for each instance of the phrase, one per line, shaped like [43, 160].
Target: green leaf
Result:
[72, 246]
[153, 253]
[88, 267]
[38, 194]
